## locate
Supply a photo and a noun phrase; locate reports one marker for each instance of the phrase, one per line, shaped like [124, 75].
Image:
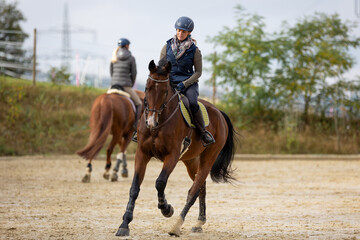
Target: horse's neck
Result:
[172, 104]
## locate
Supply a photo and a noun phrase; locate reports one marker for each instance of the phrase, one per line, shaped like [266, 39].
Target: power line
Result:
[66, 31]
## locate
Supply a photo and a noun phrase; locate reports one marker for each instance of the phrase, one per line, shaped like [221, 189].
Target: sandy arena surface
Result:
[42, 197]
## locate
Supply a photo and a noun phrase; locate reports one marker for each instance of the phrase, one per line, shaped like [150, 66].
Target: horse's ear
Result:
[168, 67]
[152, 66]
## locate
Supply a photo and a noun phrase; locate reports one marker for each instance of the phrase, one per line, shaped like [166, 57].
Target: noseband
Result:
[163, 106]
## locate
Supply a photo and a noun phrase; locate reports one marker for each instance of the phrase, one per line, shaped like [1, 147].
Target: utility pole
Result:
[214, 79]
[66, 50]
[34, 60]
[338, 141]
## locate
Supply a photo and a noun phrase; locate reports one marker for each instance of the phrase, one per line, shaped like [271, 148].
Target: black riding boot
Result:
[134, 137]
[206, 137]
[137, 117]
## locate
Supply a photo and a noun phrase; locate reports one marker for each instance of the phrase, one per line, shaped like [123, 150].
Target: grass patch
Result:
[51, 119]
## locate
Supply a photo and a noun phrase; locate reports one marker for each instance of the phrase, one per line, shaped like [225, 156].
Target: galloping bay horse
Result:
[110, 113]
[161, 134]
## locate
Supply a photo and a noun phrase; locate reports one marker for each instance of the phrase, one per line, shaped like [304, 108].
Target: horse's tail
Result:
[101, 120]
[221, 171]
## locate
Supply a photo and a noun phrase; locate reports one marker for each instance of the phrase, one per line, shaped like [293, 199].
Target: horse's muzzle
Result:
[151, 122]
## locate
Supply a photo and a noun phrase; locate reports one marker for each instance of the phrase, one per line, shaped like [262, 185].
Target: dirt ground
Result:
[42, 197]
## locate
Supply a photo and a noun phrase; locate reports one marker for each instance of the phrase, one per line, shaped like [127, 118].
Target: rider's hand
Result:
[180, 87]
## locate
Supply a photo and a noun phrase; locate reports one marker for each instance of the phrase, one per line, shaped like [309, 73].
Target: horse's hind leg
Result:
[121, 159]
[192, 166]
[125, 143]
[124, 170]
[87, 176]
[109, 151]
[193, 193]
[202, 210]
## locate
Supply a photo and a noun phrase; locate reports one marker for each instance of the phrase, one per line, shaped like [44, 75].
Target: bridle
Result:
[158, 80]
[162, 107]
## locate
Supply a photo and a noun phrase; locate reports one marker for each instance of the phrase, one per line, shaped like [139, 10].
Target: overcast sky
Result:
[148, 24]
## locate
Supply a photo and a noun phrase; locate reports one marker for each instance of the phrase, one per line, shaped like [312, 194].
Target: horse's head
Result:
[158, 91]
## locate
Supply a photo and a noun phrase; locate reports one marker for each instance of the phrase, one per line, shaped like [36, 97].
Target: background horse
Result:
[110, 113]
[161, 134]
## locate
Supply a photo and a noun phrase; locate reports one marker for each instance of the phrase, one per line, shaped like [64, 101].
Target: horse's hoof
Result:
[197, 229]
[124, 173]
[86, 178]
[106, 175]
[175, 232]
[123, 232]
[114, 177]
[168, 212]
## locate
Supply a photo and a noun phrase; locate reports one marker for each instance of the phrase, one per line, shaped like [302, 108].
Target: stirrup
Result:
[134, 137]
[212, 140]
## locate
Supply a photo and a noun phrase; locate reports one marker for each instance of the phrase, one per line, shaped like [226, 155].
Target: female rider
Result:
[185, 57]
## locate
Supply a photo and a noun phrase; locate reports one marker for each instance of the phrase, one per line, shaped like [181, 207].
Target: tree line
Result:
[297, 69]
[291, 80]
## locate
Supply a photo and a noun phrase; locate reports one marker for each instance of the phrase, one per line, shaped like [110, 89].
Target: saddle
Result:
[188, 118]
[116, 89]
[187, 115]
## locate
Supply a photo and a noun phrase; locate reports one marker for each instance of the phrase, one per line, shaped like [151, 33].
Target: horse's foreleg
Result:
[166, 209]
[169, 164]
[87, 176]
[202, 210]
[140, 167]
[128, 215]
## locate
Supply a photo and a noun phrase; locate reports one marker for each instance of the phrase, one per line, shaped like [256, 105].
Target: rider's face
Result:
[182, 34]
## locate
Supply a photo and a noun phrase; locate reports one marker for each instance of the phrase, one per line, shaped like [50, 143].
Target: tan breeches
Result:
[133, 95]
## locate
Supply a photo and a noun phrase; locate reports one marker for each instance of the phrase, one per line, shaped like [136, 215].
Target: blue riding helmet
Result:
[184, 23]
[123, 42]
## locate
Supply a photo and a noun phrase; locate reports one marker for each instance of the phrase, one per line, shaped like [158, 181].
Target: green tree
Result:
[244, 63]
[314, 50]
[59, 76]
[12, 37]
[268, 73]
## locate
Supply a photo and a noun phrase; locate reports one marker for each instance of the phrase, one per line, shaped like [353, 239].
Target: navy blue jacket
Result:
[183, 68]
